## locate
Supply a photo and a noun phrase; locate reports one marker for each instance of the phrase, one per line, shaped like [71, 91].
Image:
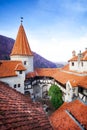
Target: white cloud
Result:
[58, 50]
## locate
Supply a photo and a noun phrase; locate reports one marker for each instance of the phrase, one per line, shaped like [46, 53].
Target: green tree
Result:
[55, 96]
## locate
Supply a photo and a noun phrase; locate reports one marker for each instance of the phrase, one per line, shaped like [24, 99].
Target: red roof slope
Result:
[84, 57]
[66, 67]
[21, 45]
[42, 72]
[8, 68]
[75, 79]
[19, 112]
[62, 121]
[61, 76]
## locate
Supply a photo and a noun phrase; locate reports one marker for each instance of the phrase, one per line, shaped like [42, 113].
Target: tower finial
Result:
[21, 20]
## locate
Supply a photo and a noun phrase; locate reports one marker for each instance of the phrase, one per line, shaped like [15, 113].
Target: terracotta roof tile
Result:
[66, 67]
[61, 120]
[7, 68]
[21, 45]
[76, 80]
[19, 67]
[42, 72]
[19, 112]
[84, 57]
[31, 74]
[61, 76]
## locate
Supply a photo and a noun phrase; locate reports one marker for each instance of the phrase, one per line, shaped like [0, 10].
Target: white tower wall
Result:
[26, 60]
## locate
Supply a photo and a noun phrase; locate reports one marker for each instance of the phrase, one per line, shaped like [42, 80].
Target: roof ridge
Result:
[74, 119]
[17, 65]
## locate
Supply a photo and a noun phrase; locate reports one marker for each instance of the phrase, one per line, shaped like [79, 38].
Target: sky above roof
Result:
[54, 27]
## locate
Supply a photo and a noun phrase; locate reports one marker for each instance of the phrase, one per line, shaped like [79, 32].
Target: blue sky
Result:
[54, 27]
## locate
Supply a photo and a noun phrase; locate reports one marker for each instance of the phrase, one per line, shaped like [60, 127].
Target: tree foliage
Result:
[55, 96]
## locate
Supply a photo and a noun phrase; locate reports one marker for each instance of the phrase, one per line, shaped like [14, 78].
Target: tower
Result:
[21, 50]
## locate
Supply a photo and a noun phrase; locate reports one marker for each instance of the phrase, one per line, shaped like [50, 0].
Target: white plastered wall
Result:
[69, 92]
[78, 66]
[29, 62]
[16, 80]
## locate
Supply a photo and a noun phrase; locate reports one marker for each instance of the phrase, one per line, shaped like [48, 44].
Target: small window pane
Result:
[82, 64]
[14, 85]
[24, 62]
[72, 63]
[20, 72]
[19, 85]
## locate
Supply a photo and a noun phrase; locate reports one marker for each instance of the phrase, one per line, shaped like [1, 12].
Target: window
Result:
[72, 63]
[14, 85]
[20, 72]
[19, 85]
[80, 90]
[25, 62]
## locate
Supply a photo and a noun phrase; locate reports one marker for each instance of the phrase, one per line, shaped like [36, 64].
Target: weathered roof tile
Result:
[21, 113]
[8, 68]
[61, 76]
[84, 57]
[61, 120]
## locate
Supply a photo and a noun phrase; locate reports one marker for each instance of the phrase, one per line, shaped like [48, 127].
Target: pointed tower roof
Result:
[21, 45]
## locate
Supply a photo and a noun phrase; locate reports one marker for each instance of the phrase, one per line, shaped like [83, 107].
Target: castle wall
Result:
[78, 66]
[16, 82]
[26, 60]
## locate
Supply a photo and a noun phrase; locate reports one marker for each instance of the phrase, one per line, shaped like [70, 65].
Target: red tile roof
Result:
[8, 68]
[21, 45]
[66, 67]
[74, 78]
[42, 72]
[31, 74]
[19, 112]
[62, 76]
[84, 57]
[61, 120]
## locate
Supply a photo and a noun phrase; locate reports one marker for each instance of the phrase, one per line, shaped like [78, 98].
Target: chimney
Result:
[73, 53]
[79, 56]
[85, 49]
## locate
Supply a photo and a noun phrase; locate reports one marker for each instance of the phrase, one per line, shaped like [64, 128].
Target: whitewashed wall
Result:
[69, 92]
[78, 66]
[16, 80]
[28, 59]
[75, 67]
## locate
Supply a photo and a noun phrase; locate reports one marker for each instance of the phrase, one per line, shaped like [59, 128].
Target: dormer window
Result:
[20, 72]
[72, 63]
